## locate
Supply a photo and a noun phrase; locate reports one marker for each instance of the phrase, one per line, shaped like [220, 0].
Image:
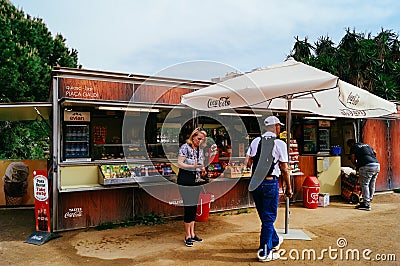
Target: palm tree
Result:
[302, 50]
[371, 63]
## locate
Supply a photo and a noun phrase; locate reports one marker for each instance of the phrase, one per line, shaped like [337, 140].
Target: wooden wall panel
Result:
[91, 208]
[307, 167]
[116, 205]
[395, 153]
[78, 210]
[159, 94]
[230, 194]
[374, 133]
[158, 199]
[94, 90]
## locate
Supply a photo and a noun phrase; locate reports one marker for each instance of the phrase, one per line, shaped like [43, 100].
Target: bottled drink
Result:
[85, 150]
[73, 133]
[142, 171]
[138, 172]
[84, 133]
[73, 150]
[68, 134]
[42, 226]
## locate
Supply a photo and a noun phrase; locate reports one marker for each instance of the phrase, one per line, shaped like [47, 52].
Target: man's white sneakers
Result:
[271, 256]
[276, 248]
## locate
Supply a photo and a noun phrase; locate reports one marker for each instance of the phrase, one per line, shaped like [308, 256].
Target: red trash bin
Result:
[311, 192]
[203, 207]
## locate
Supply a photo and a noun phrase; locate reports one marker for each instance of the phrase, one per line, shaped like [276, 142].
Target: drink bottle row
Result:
[77, 133]
[76, 149]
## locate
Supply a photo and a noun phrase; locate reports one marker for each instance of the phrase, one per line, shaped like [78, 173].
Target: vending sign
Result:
[74, 116]
[42, 206]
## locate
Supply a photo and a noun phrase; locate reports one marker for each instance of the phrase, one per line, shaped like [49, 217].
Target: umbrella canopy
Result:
[289, 86]
[293, 83]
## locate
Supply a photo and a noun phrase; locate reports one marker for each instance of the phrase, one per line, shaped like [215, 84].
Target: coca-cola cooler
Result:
[76, 135]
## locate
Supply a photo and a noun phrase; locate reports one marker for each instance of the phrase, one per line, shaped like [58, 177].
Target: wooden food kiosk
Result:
[115, 139]
[115, 142]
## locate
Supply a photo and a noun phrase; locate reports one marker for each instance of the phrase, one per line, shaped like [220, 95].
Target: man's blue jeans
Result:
[266, 197]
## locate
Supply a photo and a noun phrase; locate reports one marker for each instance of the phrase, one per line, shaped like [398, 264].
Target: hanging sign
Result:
[74, 116]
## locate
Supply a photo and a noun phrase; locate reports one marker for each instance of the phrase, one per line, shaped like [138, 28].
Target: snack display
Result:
[121, 174]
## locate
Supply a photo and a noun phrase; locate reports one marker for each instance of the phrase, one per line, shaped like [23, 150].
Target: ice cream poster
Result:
[42, 207]
[16, 184]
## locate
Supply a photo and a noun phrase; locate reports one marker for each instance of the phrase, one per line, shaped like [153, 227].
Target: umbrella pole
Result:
[288, 123]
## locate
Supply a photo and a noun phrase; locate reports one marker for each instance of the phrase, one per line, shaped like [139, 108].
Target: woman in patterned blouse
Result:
[191, 167]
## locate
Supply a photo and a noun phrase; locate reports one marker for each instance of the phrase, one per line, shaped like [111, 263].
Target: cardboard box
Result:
[323, 199]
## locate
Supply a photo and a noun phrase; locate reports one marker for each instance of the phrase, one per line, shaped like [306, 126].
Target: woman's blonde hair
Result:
[196, 132]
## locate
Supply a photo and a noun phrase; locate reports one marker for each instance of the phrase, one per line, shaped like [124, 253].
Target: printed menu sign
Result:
[41, 194]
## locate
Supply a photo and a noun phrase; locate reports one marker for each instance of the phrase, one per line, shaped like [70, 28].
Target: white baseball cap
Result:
[272, 120]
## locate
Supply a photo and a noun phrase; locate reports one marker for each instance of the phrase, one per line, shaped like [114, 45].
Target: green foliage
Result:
[371, 63]
[240, 211]
[106, 226]
[24, 140]
[149, 219]
[28, 52]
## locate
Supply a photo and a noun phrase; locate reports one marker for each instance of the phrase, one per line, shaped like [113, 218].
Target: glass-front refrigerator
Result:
[324, 137]
[76, 136]
[310, 133]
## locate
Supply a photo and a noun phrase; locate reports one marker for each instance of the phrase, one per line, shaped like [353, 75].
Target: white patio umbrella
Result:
[293, 83]
[289, 86]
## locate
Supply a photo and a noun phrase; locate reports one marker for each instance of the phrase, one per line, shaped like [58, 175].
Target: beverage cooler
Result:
[324, 135]
[310, 131]
[76, 136]
[316, 137]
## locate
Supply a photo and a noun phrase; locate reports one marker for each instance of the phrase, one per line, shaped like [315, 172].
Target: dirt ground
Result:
[338, 233]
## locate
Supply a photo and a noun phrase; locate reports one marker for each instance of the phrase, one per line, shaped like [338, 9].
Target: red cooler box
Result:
[311, 192]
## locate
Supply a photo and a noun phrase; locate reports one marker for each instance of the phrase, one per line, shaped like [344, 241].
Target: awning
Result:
[25, 111]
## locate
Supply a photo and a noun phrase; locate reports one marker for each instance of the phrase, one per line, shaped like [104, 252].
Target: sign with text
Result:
[42, 206]
[95, 89]
[74, 116]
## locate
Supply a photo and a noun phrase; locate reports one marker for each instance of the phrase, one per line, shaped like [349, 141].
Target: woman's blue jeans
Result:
[266, 197]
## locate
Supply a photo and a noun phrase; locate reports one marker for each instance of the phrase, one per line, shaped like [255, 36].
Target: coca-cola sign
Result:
[353, 99]
[353, 113]
[73, 213]
[218, 103]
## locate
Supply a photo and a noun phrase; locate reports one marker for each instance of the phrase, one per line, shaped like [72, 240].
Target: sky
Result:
[204, 39]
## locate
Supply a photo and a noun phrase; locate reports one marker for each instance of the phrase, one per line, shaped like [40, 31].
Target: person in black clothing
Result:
[364, 158]
[191, 167]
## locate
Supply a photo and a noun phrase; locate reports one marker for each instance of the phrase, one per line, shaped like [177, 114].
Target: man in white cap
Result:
[268, 159]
